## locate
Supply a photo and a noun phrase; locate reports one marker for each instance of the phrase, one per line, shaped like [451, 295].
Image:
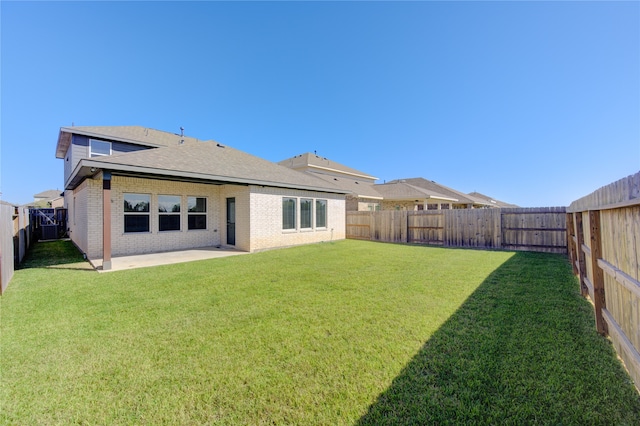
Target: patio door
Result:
[231, 221]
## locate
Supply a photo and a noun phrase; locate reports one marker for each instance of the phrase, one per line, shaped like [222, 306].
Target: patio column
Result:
[106, 221]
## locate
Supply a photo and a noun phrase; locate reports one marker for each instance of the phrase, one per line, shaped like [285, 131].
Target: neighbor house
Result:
[361, 194]
[405, 194]
[51, 198]
[132, 190]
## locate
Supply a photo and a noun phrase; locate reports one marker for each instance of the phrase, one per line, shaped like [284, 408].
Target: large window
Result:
[169, 212]
[197, 208]
[288, 213]
[321, 213]
[99, 148]
[136, 212]
[306, 213]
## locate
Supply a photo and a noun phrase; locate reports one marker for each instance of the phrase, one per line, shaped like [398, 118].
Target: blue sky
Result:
[533, 103]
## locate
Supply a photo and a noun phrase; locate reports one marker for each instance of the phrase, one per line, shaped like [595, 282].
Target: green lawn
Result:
[349, 332]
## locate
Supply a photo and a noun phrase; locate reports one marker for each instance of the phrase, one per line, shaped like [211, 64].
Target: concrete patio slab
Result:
[165, 258]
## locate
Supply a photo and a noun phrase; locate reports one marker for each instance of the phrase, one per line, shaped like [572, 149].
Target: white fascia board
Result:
[342, 172]
[87, 164]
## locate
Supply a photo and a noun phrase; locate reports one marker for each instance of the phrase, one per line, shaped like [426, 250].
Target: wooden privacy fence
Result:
[15, 239]
[604, 248]
[531, 229]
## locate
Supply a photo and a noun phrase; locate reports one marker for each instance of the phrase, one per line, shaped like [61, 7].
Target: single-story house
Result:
[133, 190]
[491, 201]
[437, 196]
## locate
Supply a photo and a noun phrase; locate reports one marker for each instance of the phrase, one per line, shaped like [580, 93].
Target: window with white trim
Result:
[136, 212]
[197, 209]
[289, 213]
[168, 212]
[99, 148]
[306, 213]
[321, 213]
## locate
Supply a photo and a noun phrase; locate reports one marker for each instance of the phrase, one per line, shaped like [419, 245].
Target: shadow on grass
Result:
[59, 254]
[521, 350]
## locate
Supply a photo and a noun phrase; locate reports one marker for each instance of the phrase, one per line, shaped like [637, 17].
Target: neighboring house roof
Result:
[491, 200]
[317, 164]
[397, 190]
[202, 161]
[357, 188]
[429, 185]
[48, 195]
[131, 134]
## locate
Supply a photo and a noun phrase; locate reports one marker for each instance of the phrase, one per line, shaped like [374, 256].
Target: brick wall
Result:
[258, 217]
[154, 241]
[243, 221]
[77, 219]
[266, 219]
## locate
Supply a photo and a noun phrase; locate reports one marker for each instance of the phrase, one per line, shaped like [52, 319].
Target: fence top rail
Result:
[622, 193]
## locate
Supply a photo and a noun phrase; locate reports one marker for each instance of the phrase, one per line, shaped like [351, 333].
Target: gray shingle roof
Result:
[209, 161]
[49, 194]
[316, 163]
[397, 190]
[132, 134]
[358, 188]
[444, 190]
[491, 200]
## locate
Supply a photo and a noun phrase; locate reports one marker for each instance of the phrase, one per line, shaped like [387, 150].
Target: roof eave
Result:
[77, 131]
[342, 172]
[84, 170]
[64, 141]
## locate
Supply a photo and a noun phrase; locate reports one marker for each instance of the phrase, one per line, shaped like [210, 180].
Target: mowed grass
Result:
[338, 333]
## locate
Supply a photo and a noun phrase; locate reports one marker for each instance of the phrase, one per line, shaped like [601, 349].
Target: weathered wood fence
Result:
[15, 239]
[530, 229]
[604, 248]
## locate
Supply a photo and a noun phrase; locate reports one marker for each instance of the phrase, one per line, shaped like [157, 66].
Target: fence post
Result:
[598, 275]
[571, 243]
[582, 262]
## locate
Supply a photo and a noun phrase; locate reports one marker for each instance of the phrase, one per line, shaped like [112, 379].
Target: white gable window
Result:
[99, 148]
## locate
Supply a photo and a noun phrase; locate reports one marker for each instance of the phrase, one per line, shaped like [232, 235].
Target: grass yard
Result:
[351, 332]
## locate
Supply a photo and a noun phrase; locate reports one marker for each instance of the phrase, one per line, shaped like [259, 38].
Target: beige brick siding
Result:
[400, 205]
[258, 217]
[77, 217]
[154, 241]
[266, 219]
[242, 228]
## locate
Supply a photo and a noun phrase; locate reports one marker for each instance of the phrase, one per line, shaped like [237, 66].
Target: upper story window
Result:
[99, 148]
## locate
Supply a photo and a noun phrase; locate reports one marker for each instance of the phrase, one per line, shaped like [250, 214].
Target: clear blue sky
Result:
[534, 103]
